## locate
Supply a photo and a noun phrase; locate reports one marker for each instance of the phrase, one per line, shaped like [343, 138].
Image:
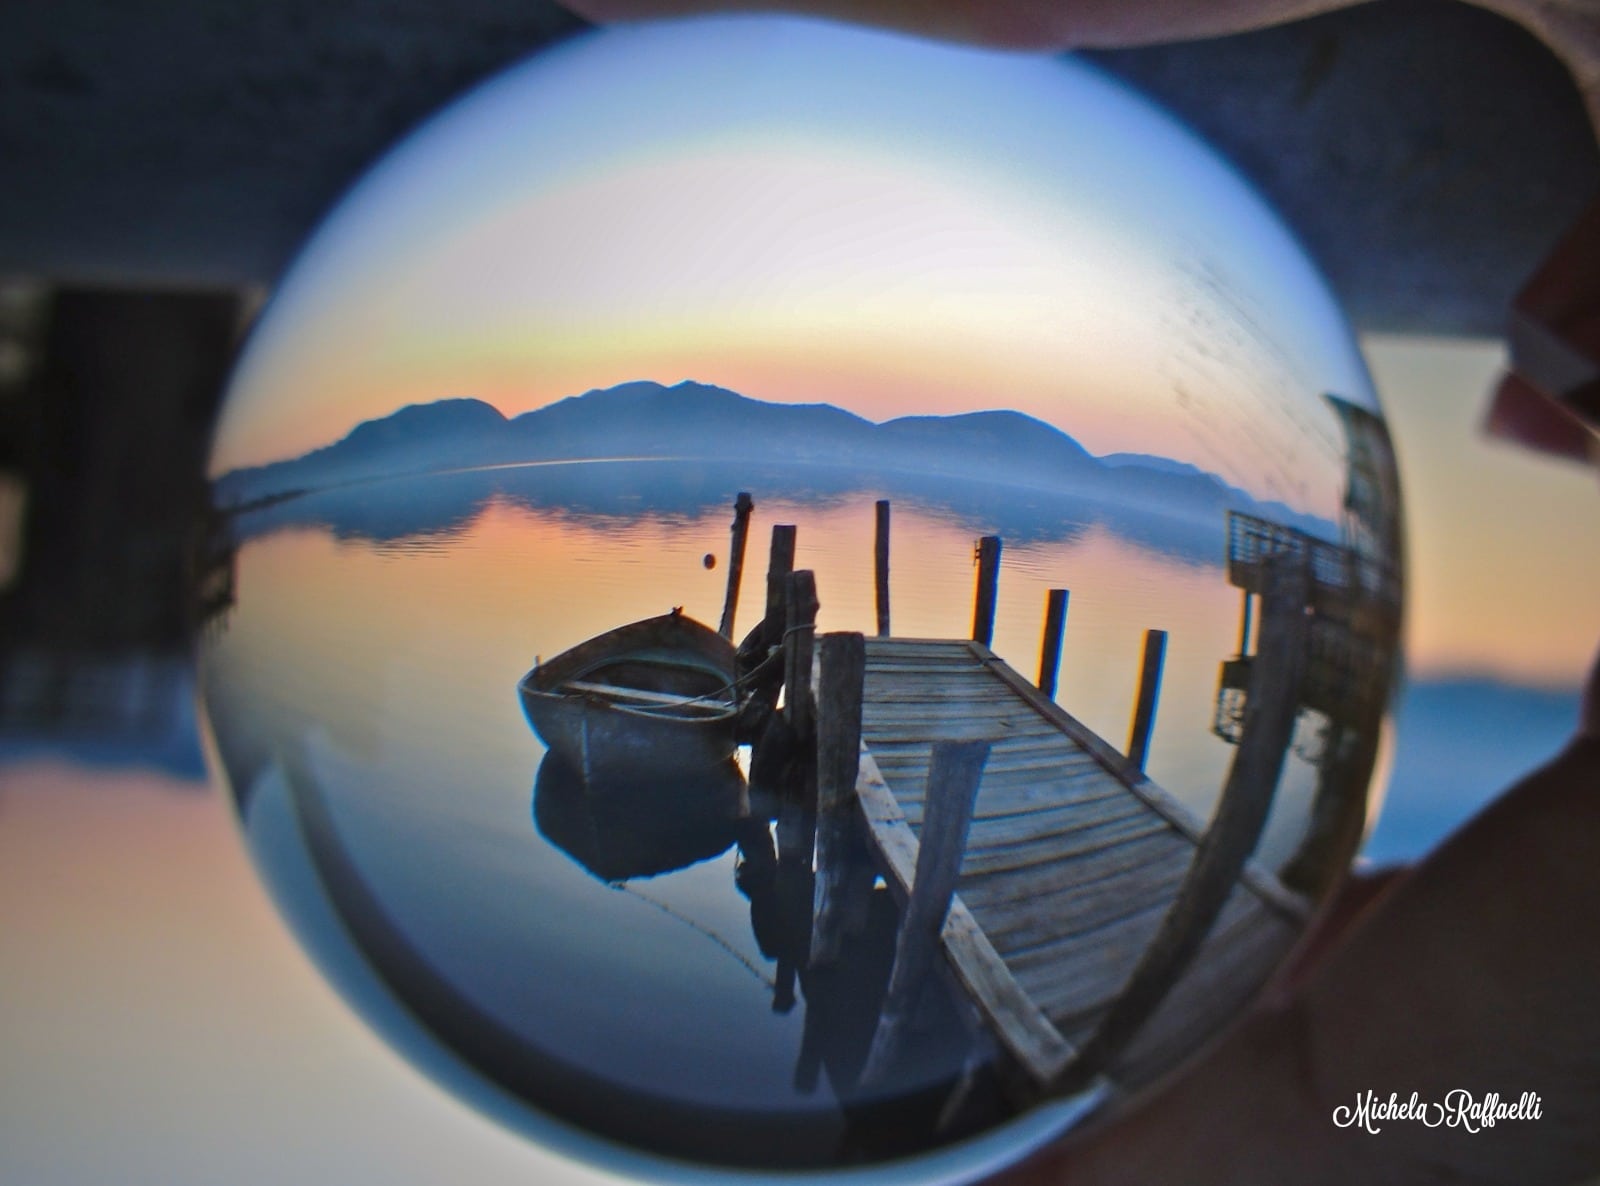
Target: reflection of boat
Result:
[640, 826]
[652, 695]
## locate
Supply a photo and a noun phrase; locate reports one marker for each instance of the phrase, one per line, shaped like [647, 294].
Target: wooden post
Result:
[1055, 621]
[742, 507]
[1144, 708]
[954, 772]
[880, 564]
[780, 563]
[1244, 623]
[800, 623]
[844, 667]
[983, 599]
[1276, 678]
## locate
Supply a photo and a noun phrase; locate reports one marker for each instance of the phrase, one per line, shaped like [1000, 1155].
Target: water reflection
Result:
[822, 963]
[621, 829]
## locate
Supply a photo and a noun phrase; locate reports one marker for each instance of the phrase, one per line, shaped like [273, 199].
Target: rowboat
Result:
[654, 695]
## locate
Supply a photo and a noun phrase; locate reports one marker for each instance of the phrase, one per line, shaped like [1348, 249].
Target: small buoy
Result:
[710, 561]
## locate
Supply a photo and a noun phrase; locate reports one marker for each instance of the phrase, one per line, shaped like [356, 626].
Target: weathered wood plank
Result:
[1019, 1024]
[952, 786]
[1047, 765]
[1143, 855]
[1049, 823]
[1070, 785]
[1010, 742]
[1069, 773]
[1086, 971]
[1244, 917]
[879, 647]
[944, 668]
[1065, 770]
[887, 731]
[1020, 801]
[1074, 842]
[1073, 910]
[977, 691]
[1163, 802]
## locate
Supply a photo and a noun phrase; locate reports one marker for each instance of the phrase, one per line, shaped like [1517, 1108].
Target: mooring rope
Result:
[703, 929]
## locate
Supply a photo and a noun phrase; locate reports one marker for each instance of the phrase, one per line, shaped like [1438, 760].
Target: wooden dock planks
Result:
[1073, 859]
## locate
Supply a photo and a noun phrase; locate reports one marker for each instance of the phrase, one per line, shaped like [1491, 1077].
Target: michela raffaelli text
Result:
[1459, 1109]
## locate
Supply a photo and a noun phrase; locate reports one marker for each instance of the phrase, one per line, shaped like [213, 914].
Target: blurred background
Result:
[161, 163]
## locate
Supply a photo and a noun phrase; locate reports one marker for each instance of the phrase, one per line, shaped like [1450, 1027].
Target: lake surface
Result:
[364, 689]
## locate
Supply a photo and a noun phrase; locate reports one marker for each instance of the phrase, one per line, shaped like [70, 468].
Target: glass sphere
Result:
[798, 599]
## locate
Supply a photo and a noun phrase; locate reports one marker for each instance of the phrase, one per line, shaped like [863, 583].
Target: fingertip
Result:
[1521, 414]
[1589, 712]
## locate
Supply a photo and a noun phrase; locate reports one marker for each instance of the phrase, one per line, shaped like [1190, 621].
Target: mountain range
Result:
[696, 421]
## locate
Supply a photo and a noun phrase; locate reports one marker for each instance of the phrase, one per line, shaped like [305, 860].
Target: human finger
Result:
[1015, 24]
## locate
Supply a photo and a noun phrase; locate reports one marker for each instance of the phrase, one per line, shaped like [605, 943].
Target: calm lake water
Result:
[370, 667]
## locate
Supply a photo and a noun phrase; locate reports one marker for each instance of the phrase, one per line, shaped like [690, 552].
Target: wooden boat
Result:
[657, 694]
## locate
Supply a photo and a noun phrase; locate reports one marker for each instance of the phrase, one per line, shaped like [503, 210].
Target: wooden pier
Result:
[1087, 924]
[1072, 861]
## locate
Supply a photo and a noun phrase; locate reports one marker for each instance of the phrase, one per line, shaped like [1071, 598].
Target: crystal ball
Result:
[789, 598]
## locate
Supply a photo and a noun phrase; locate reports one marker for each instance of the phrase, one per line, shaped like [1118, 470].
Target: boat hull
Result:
[606, 737]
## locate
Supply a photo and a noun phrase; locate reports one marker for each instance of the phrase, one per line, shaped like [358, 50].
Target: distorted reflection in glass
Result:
[784, 596]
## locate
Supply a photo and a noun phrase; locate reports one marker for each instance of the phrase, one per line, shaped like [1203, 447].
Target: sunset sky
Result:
[824, 215]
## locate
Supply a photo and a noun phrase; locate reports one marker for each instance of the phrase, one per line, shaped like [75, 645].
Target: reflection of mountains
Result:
[990, 471]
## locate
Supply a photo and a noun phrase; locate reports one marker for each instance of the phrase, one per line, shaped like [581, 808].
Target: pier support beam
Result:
[839, 694]
[954, 772]
[799, 644]
[1144, 707]
[742, 507]
[780, 563]
[880, 566]
[983, 599]
[1055, 622]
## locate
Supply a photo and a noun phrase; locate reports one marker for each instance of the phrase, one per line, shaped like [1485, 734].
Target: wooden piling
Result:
[742, 507]
[1055, 621]
[1276, 677]
[954, 772]
[983, 600]
[1144, 706]
[880, 557]
[844, 665]
[800, 623]
[780, 563]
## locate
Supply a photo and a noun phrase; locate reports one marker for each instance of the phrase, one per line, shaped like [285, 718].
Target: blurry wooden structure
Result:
[1352, 604]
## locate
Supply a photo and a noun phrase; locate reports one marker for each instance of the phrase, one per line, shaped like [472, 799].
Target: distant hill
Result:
[695, 420]
[1150, 461]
